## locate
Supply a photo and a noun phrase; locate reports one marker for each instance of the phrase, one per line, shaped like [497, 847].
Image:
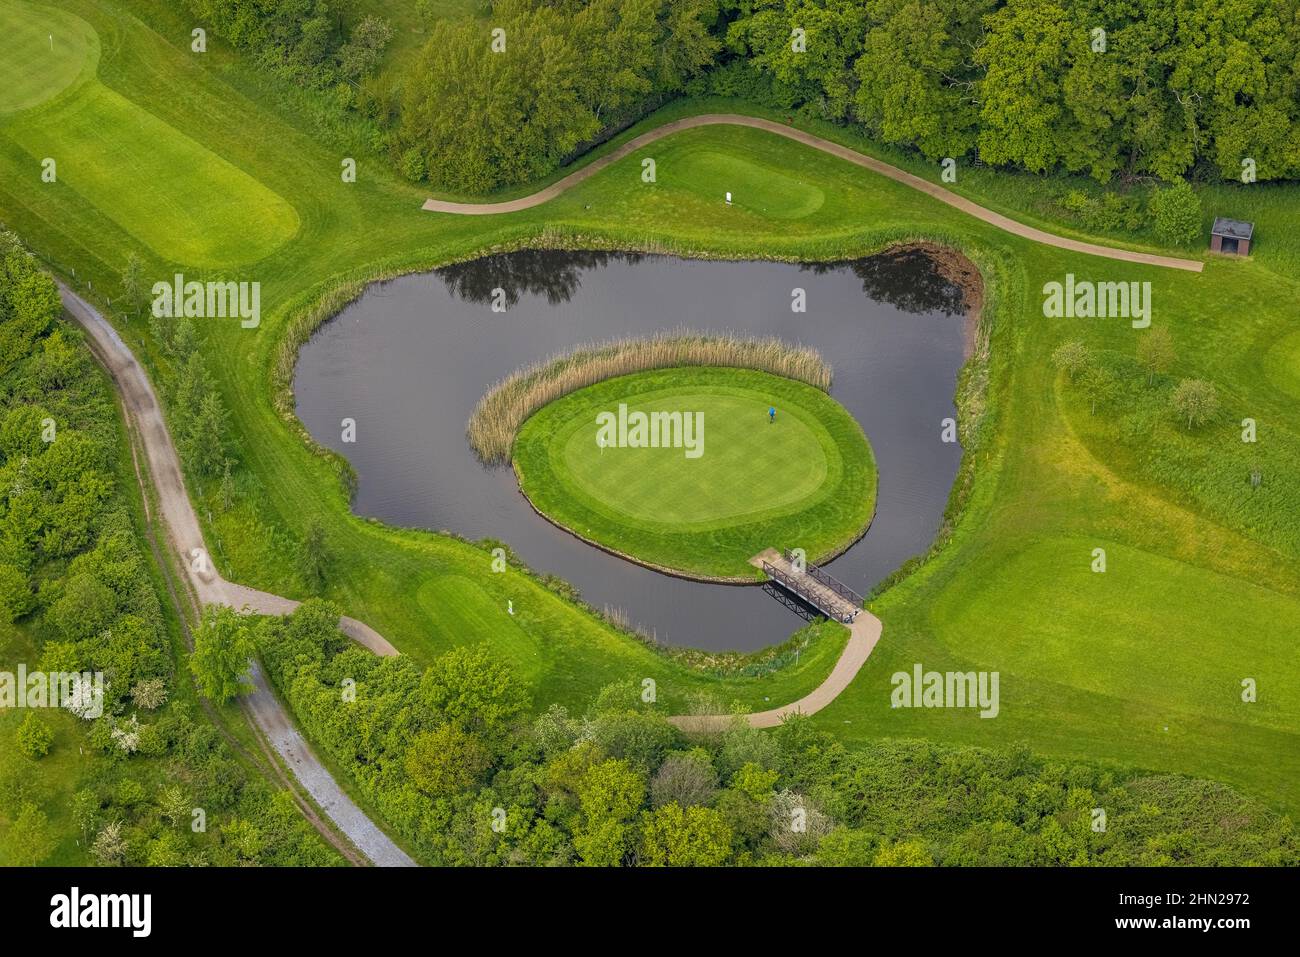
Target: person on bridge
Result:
[771, 414]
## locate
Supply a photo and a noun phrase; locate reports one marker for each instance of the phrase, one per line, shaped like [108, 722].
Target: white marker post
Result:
[728, 197]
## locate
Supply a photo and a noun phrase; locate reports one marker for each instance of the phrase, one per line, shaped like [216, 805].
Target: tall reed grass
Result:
[497, 418]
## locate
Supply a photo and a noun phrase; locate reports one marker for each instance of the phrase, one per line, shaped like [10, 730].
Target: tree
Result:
[223, 652]
[110, 848]
[609, 797]
[818, 72]
[133, 284]
[1073, 357]
[16, 597]
[1177, 213]
[847, 847]
[175, 805]
[32, 840]
[915, 75]
[475, 689]
[86, 607]
[1024, 55]
[527, 108]
[1196, 401]
[446, 761]
[685, 780]
[1155, 352]
[1100, 385]
[673, 836]
[85, 811]
[314, 558]
[365, 48]
[150, 694]
[34, 736]
[904, 854]
[206, 445]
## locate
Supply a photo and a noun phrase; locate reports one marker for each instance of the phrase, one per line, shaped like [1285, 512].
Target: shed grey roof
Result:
[1232, 228]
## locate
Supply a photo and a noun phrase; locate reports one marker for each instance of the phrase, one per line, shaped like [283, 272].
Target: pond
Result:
[411, 357]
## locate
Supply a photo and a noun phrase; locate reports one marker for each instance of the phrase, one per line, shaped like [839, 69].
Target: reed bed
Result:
[497, 418]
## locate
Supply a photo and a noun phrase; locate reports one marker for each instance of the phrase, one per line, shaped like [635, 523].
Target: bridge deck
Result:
[812, 585]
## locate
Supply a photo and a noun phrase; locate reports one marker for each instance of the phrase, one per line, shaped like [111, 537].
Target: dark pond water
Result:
[411, 357]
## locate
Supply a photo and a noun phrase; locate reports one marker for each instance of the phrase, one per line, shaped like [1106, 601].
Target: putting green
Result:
[43, 51]
[169, 191]
[754, 186]
[723, 484]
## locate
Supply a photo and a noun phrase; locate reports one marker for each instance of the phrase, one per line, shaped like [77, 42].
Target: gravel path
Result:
[863, 635]
[827, 146]
[182, 527]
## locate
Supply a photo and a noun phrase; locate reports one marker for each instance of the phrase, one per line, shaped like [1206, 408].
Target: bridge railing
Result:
[841, 589]
[799, 585]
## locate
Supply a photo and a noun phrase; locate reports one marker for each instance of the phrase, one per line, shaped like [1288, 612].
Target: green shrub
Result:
[34, 737]
[1176, 211]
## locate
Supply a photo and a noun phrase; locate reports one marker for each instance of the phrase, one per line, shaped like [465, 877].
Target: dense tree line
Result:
[311, 42]
[1157, 88]
[1128, 88]
[451, 757]
[1106, 87]
[74, 582]
[486, 108]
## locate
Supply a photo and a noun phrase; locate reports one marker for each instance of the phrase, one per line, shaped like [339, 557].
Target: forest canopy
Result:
[1106, 88]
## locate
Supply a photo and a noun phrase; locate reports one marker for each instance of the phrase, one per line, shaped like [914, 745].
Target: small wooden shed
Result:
[1231, 236]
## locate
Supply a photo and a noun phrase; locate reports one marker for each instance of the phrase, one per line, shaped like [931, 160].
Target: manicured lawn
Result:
[43, 51]
[805, 480]
[1282, 363]
[183, 201]
[1006, 592]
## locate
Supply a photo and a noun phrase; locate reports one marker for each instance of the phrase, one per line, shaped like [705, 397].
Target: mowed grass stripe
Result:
[806, 481]
[184, 202]
[1189, 641]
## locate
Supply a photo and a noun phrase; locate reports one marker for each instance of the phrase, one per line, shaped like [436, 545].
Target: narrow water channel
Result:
[410, 358]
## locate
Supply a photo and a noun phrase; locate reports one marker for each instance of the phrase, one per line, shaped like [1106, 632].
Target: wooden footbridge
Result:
[811, 584]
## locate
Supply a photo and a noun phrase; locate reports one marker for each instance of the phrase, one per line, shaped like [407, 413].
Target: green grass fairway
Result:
[1061, 620]
[176, 196]
[1282, 363]
[807, 480]
[43, 51]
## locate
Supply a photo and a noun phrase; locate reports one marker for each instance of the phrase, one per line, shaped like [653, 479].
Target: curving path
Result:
[145, 417]
[863, 635]
[940, 193]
